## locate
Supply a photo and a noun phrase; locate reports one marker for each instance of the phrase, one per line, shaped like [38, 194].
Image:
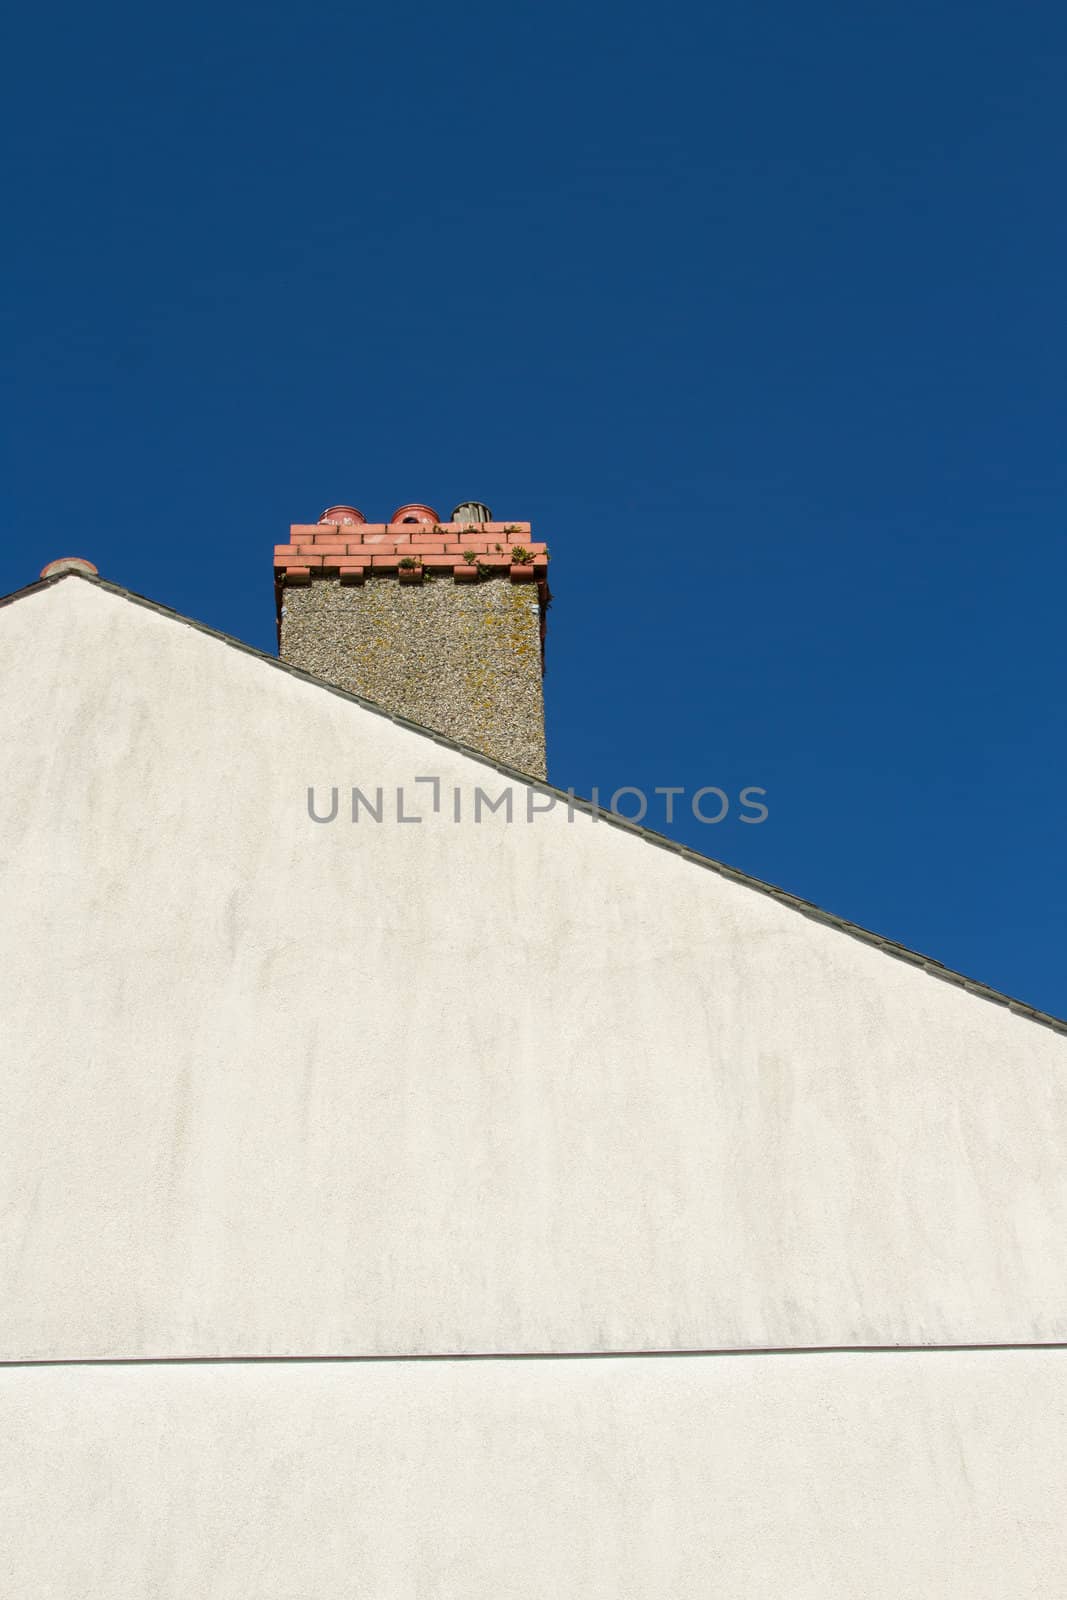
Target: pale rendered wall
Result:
[271, 1087]
[832, 1477]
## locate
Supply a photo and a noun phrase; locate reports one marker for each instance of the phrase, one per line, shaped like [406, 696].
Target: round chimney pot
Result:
[342, 514]
[415, 513]
[69, 564]
[472, 511]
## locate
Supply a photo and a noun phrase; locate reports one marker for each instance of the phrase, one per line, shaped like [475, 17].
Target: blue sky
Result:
[756, 312]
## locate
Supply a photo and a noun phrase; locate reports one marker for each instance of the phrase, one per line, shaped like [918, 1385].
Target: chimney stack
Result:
[439, 622]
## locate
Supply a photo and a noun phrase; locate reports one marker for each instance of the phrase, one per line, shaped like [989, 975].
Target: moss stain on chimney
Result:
[463, 659]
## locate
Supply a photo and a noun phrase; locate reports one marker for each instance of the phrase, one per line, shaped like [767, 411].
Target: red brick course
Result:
[330, 549]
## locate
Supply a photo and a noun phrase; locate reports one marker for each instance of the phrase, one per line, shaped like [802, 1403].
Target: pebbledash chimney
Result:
[439, 622]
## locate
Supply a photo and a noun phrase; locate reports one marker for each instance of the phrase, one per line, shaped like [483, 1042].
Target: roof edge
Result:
[807, 908]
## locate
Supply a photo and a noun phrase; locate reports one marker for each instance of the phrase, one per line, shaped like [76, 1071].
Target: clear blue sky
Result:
[756, 311]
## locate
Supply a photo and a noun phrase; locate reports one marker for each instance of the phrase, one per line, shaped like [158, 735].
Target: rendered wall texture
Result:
[275, 1087]
[464, 659]
[937, 1476]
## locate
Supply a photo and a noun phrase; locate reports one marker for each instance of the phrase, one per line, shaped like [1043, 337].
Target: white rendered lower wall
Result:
[932, 1476]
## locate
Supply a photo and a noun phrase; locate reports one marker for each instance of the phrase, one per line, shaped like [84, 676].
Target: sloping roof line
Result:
[806, 908]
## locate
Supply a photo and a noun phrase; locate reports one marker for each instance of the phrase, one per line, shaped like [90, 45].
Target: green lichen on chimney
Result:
[463, 659]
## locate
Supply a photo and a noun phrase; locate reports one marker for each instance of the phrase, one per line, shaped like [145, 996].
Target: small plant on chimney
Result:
[407, 562]
[511, 527]
[520, 555]
[471, 557]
